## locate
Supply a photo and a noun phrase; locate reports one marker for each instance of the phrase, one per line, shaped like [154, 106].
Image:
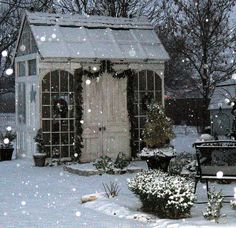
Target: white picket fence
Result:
[7, 119]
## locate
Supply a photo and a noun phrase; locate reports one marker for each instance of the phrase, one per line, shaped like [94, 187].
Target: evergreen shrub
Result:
[166, 196]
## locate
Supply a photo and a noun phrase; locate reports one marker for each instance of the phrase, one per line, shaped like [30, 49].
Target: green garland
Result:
[130, 108]
[78, 113]
[106, 66]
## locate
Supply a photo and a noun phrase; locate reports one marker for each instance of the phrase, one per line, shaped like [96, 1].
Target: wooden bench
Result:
[216, 160]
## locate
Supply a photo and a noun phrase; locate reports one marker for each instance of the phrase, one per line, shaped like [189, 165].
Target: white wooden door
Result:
[106, 124]
[116, 134]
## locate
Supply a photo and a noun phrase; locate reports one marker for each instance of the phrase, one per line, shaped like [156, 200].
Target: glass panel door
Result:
[58, 118]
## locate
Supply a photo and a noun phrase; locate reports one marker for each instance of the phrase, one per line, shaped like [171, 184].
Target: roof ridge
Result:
[87, 21]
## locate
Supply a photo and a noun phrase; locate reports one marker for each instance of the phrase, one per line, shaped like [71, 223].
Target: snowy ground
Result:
[49, 197]
[185, 137]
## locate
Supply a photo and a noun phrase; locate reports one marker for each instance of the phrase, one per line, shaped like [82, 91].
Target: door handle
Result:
[100, 128]
[104, 128]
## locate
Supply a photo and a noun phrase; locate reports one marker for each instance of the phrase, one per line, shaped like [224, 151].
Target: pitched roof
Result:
[76, 36]
[224, 90]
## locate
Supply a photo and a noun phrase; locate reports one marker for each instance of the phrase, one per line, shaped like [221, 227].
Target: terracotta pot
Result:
[39, 159]
[6, 154]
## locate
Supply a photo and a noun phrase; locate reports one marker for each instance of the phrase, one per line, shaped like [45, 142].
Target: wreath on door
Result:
[146, 100]
[60, 108]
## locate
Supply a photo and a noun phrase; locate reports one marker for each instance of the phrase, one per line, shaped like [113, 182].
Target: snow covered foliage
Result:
[182, 160]
[40, 142]
[167, 196]
[161, 152]
[104, 163]
[7, 138]
[121, 161]
[158, 128]
[214, 205]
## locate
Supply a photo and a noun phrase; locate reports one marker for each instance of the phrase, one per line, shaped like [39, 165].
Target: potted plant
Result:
[6, 148]
[156, 135]
[40, 157]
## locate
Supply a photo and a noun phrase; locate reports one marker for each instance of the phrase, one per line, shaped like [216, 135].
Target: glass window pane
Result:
[159, 96]
[46, 125]
[55, 126]
[55, 138]
[142, 80]
[135, 81]
[64, 151]
[72, 150]
[46, 99]
[64, 138]
[46, 111]
[46, 83]
[150, 80]
[64, 81]
[142, 121]
[21, 69]
[71, 79]
[157, 82]
[71, 98]
[71, 138]
[32, 67]
[64, 125]
[46, 138]
[21, 103]
[136, 97]
[71, 125]
[55, 81]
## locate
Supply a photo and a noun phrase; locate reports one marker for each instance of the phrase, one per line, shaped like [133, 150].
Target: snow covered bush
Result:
[7, 138]
[214, 205]
[158, 128]
[121, 161]
[167, 196]
[104, 163]
[182, 160]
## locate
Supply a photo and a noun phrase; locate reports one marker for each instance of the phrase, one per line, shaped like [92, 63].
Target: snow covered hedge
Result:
[167, 196]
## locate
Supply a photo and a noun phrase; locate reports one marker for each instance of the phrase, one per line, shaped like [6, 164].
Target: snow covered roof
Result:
[224, 90]
[76, 36]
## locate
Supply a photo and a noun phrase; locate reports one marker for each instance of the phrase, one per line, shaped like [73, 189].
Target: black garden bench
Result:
[216, 160]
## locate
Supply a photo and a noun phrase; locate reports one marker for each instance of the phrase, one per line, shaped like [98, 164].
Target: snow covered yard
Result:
[185, 137]
[50, 197]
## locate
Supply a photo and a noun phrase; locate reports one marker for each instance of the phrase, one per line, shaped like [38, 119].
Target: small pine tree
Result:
[214, 205]
[40, 141]
[158, 128]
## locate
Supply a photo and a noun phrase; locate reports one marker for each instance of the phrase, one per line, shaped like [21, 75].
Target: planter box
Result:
[156, 162]
[39, 159]
[6, 154]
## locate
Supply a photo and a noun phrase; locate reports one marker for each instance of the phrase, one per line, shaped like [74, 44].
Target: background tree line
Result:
[197, 34]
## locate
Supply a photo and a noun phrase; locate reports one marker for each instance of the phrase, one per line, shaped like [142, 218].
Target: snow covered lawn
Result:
[50, 197]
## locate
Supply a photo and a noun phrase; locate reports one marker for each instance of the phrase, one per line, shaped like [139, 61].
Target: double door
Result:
[106, 129]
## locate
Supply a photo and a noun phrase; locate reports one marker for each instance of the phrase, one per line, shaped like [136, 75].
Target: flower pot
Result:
[156, 162]
[158, 158]
[6, 154]
[39, 159]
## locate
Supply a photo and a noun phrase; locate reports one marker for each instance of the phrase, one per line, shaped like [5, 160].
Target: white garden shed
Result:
[85, 81]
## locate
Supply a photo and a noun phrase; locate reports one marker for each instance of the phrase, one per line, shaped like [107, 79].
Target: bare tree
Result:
[207, 41]
[11, 12]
